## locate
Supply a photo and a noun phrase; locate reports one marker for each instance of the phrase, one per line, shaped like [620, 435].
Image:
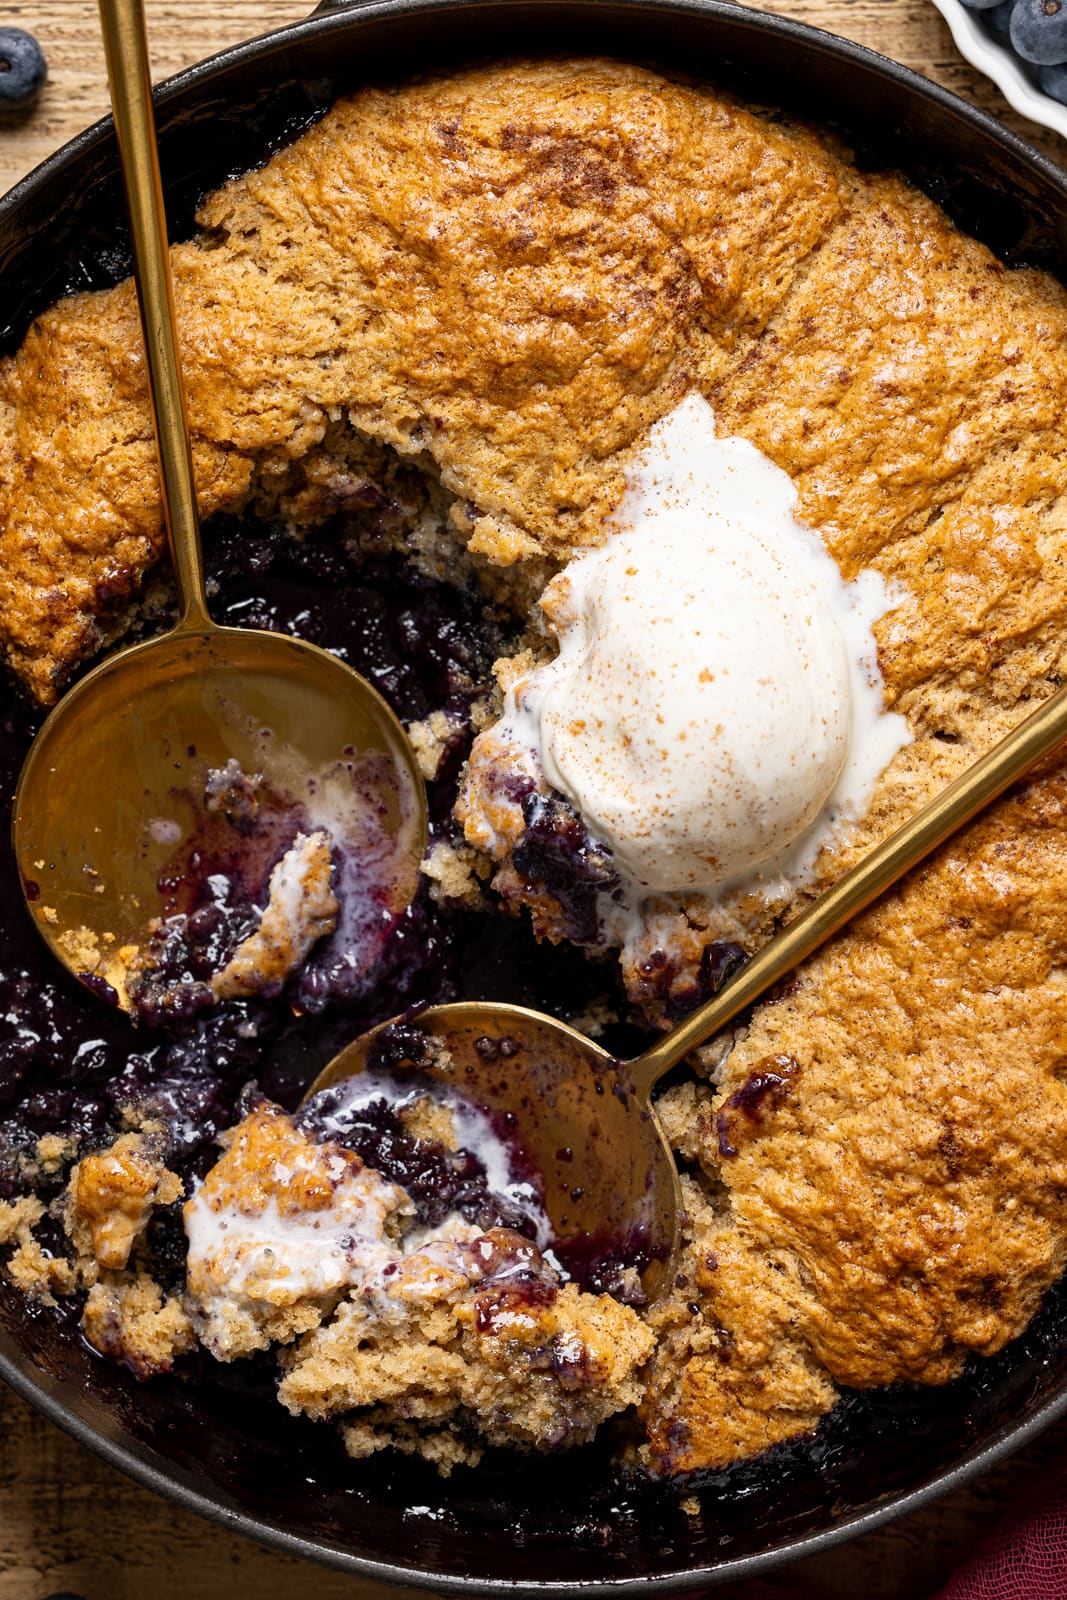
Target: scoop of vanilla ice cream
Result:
[710, 674]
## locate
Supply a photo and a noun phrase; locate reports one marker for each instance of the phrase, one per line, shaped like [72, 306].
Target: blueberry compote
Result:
[210, 892]
[70, 1065]
[483, 1179]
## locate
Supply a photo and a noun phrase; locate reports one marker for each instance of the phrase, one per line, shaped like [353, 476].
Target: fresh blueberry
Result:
[999, 18]
[1039, 30]
[981, 5]
[1054, 81]
[23, 68]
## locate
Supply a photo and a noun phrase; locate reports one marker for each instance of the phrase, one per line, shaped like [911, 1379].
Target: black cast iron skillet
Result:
[222, 1446]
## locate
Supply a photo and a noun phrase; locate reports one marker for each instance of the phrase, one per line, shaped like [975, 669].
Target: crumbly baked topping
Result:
[289, 1236]
[469, 1369]
[276, 1230]
[301, 909]
[128, 1318]
[112, 1195]
[878, 1170]
[516, 348]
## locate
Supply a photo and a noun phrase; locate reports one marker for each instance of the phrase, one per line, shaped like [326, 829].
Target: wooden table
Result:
[67, 1521]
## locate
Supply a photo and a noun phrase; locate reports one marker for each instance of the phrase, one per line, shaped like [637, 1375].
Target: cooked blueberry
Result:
[437, 1180]
[23, 68]
[402, 1045]
[557, 853]
[1039, 30]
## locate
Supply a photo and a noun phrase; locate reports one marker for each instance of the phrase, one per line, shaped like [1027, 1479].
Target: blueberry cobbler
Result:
[699, 502]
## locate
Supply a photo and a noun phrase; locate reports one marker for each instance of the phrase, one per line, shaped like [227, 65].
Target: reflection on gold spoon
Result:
[109, 776]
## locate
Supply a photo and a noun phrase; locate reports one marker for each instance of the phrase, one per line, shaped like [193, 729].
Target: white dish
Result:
[990, 53]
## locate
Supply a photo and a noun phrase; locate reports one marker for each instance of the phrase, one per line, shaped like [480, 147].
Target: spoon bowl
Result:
[111, 797]
[111, 802]
[577, 1119]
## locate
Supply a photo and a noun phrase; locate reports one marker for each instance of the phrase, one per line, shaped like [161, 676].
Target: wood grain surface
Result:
[67, 1521]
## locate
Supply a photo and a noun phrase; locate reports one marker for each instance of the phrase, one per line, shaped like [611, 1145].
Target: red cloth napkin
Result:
[1024, 1558]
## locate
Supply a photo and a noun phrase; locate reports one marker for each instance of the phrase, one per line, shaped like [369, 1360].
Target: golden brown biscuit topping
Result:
[878, 1170]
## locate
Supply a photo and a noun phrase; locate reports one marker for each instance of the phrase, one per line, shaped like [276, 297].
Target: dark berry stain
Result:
[557, 853]
[662, 982]
[762, 1092]
[606, 1264]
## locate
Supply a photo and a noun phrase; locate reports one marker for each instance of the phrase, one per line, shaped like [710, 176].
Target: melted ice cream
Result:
[716, 706]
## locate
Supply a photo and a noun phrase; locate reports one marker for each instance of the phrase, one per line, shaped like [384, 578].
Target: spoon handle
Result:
[126, 47]
[1036, 737]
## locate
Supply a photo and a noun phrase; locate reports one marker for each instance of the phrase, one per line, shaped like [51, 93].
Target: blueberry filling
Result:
[71, 1065]
[558, 853]
[438, 1181]
[662, 981]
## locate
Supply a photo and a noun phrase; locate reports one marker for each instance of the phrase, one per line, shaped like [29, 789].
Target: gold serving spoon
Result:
[110, 786]
[585, 1120]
